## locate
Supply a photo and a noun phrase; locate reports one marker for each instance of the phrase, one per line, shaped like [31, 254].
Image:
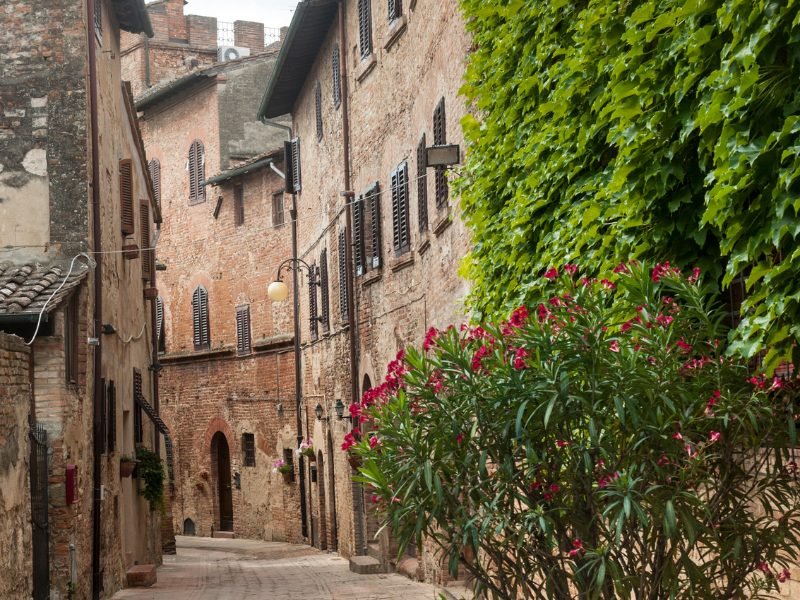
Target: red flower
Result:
[694, 276]
[571, 269]
[373, 441]
[477, 358]
[562, 443]
[577, 548]
[758, 382]
[519, 358]
[609, 285]
[518, 317]
[621, 268]
[764, 568]
[784, 576]
[551, 273]
[459, 438]
[614, 346]
[685, 348]
[677, 436]
[554, 487]
[662, 270]
[604, 480]
[430, 338]
[375, 499]
[714, 437]
[663, 460]
[664, 320]
[349, 441]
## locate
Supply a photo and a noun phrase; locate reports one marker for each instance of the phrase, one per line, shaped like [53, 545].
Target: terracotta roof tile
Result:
[27, 288]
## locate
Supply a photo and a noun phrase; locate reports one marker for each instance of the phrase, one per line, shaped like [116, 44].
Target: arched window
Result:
[197, 172]
[202, 336]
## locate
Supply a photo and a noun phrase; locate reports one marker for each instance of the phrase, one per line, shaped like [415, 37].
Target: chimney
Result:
[176, 21]
[249, 34]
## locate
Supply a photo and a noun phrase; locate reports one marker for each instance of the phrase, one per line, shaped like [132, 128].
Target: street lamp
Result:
[318, 411]
[339, 408]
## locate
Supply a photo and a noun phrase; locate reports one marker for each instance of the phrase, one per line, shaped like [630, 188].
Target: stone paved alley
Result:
[221, 569]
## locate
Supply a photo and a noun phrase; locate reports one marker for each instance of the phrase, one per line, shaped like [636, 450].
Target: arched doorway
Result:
[221, 466]
[323, 517]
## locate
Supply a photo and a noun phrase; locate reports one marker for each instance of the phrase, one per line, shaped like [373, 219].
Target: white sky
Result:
[273, 13]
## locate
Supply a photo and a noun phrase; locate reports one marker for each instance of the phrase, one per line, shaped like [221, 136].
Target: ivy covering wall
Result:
[612, 129]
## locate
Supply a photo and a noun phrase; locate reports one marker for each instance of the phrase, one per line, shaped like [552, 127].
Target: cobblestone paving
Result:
[219, 569]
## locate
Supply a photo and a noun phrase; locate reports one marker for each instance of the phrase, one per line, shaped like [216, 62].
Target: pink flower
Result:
[664, 320]
[577, 548]
[430, 338]
[714, 437]
[571, 269]
[764, 568]
[551, 273]
[784, 576]
[662, 270]
[554, 487]
[562, 443]
[758, 382]
[694, 276]
[621, 268]
[609, 285]
[626, 327]
[663, 460]
[349, 441]
[606, 479]
[375, 498]
[614, 346]
[685, 348]
[677, 436]
[518, 317]
[690, 450]
[519, 358]
[459, 438]
[777, 384]
[373, 441]
[477, 358]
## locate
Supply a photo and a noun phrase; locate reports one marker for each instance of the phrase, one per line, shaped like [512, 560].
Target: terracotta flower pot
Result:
[287, 476]
[126, 468]
[354, 460]
[150, 293]
[311, 457]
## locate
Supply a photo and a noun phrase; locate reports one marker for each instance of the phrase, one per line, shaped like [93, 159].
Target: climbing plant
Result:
[637, 128]
[151, 470]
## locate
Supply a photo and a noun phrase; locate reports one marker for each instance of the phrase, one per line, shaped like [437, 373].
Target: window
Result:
[160, 328]
[439, 139]
[313, 311]
[238, 204]
[359, 255]
[336, 69]
[243, 340]
[364, 28]
[342, 275]
[325, 317]
[111, 417]
[98, 20]
[395, 9]
[155, 177]
[288, 459]
[202, 338]
[138, 421]
[367, 230]
[197, 172]
[422, 185]
[249, 449]
[126, 196]
[147, 255]
[291, 151]
[71, 324]
[400, 229]
[318, 100]
[277, 208]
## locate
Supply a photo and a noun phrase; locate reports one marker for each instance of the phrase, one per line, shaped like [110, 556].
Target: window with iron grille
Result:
[400, 227]
[154, 166]
[291, 152]
[325, 312]
[202, 337]
[111, 417]
[277, 208]
[318, 100]
[126, 196]
[160, 328]
[98, 20]
[197, 172]
[422, 185]
[342, 275]
[243, 335]
[138, 421]
[288, 459]
[147, 256]
[249, 449]
[238, 204]
[439, 139]
[71, 324]
[365, 27]
[395, 9]
[313, 312]
[367, 230]
[336, 69]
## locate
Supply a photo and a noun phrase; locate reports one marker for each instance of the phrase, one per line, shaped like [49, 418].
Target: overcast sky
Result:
[273, 13]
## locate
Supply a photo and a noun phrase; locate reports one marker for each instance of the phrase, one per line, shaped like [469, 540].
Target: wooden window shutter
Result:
[111, 417]
[202, 338]
[98, 20]
[318, 101]
[138, 425]
[400, 229]
[364, 28]
[155, 177]
[342, 276]
[243, 335]
[126, 196]
[374, 252]
[395, 9]
[325, 309]
[296, 180]
[313, 315]
[146, 254]
[160, 323]
[277, 208]
[439, 139]
[422, 185]
[102, 434]
[358, 236]
[238, 204]
[197, 172]
[336, 68]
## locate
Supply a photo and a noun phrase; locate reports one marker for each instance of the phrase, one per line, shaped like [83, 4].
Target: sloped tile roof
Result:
[26, 288]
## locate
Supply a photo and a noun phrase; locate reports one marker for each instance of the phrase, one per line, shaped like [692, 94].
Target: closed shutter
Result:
[146, 254]
[126, 196]
[325, 316]
[318, 99]
[102, 440]
[358, 236]
[439, 139]
[395, 9]
[374, 252]
[202, 338]
[364, 28]
[336, 68]
[400, 229]
[159, 321]
[138, 425]
[296, 179]
[422, 185]
[243, 339]
[111, 417]
[342, 276]
[313, 316]
[197, 172]
[155, 177]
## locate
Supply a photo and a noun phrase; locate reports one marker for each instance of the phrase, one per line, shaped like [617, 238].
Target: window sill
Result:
[371, 277]
[193, 202]
[365, 67]
[443, 223]
[424, 245]
[396, 29]
[404, 261]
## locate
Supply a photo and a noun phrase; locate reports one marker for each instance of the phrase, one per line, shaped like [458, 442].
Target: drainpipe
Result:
[98, 302]
[358, 498]
[298, 381]
[146, 61]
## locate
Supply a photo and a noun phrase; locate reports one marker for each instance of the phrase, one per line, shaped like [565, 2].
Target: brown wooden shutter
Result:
[202, 338]
[337, 76]
[395, 9]
[358, 236]
[342, 276]
[138, 425]
[155, 177]
[296, 179]
[364, 28]
[325, 317]
[111, 417]
[197, 172]
[147, 255]
[313, 315]
[422, 185]
[243, 339]
[160, 322]
[126, 196]
[318, 101]
[400, 230]
[374, 254]
[439, 139]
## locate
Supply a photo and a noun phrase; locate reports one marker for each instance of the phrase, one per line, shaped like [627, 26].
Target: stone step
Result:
[457, 590]
[365, 565]
[225, 535]
[374, 550]
[141, 576]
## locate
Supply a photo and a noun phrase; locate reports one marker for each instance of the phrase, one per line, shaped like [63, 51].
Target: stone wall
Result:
[15, 499]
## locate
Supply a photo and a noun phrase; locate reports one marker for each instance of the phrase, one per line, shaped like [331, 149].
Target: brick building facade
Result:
[75, 192]
[228, 379]
[368, 92]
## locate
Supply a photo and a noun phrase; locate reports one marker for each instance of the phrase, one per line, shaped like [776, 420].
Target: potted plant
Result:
[150, 470]
[350, 440]
[127, 464]
[286, 470]
[307, 449]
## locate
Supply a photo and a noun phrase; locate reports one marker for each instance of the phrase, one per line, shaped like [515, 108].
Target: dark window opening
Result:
[439, 139]
[313, 316]
[277, 208]
[249, 449]
[238, 204]
[337, 76]
[288, 459]
[98, 20]
[365, 28]
[318, 102]
[422, 185]
[138, 421]
[111, 417]
[71, 325]
[367, 230]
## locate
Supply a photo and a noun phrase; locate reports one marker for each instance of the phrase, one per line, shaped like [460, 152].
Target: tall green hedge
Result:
[610, 129]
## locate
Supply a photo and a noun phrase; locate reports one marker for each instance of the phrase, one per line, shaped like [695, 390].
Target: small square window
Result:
[277, 208]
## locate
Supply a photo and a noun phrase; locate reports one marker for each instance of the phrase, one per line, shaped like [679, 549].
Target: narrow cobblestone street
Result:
[219, 569]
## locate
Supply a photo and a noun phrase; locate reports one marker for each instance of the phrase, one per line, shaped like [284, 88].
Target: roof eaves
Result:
[133, 16]
[243, 170]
